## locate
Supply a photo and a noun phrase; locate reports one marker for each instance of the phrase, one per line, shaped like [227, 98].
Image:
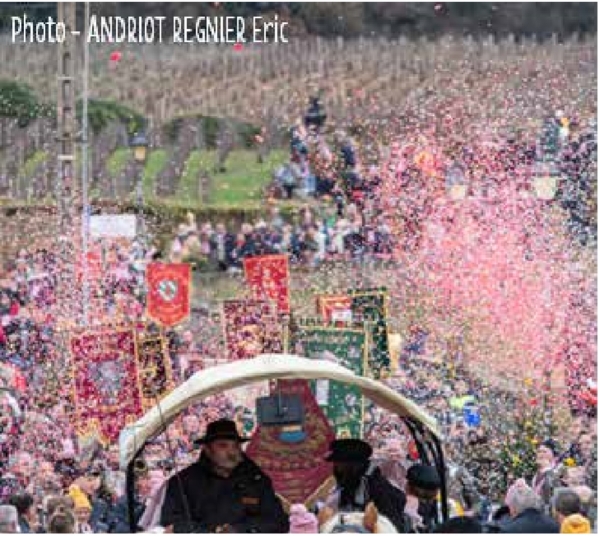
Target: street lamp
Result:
[456, 183]
[139, 144]
[545, 181]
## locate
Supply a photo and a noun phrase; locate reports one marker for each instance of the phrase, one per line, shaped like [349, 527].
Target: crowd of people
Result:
[320, 236]
[509, 470]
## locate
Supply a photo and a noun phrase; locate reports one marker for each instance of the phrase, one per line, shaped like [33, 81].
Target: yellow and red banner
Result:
[169, 290]
[269, 277]
[334, 308]
[106, 382]
[251, 328]
[154, 367]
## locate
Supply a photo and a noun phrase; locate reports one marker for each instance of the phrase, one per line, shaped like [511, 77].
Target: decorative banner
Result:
[269, 276]
[370, 306]
[106, 382]
[343, 404]
[243, 400]
[298, 470]
[334, 308]
[250, 328]
[154, 368]
[169, 289]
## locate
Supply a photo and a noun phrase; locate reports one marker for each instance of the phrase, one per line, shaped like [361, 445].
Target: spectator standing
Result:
[9, 519]
[525, 512]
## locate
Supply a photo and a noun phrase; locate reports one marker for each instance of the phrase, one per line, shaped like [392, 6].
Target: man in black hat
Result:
[423, 482]
[224, 491]
[359, 482]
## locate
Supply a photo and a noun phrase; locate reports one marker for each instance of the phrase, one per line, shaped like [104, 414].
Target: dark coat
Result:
[24, 526]
[245, 500]
[118, 521]
[389, 500]
[531, 521]
[101, 516]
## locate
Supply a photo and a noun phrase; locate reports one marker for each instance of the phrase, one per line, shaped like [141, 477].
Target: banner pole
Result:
[286, 335]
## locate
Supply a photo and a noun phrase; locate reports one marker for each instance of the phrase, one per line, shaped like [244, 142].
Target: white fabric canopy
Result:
[264, 367]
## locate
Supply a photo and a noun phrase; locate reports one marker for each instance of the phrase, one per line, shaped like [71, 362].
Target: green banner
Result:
[342, 404]
[370, 306]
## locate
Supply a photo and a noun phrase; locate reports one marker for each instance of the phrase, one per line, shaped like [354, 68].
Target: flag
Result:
[334, 308]
[154, 368]
[106, 382]
[298, 470]
[370, 306]
[342, 404]
[93, 267]
[169, 290]
[12, 378]
[251, 328]
[268, 276]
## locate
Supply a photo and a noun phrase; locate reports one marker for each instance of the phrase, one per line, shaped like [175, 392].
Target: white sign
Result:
[113, 226]
[341, 315]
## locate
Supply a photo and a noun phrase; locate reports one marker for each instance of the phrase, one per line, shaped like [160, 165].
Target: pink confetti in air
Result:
[238, 46]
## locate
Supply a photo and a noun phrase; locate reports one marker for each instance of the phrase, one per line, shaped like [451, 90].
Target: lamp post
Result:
[85, 201]
[545, 186]
[139, 144]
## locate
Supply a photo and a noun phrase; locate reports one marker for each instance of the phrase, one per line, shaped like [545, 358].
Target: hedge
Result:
[17, 100]
[210, 128]
[101, 113]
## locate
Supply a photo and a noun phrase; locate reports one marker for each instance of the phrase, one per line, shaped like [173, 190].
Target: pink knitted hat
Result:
[302, 521]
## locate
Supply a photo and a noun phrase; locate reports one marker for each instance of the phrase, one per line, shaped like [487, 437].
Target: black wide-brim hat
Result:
[221, 429]
[424, 477]
[349, 451]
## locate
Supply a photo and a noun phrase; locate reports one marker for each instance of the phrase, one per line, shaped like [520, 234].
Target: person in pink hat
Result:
[302, 521]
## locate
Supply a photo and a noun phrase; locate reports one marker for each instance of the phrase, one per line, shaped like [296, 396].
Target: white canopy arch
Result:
[264, 367]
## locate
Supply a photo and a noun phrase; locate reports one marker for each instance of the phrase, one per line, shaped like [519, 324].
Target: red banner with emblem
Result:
[296, 465]
[251, 328]
[106, 382]
[334, 308]
[268, 276]
[169, 291]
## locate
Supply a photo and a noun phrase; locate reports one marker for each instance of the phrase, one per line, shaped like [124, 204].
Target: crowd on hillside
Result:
[348, 206]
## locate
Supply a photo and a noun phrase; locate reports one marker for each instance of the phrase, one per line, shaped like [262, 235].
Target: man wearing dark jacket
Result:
[525, 512]
[224, 491]
[359, 482]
